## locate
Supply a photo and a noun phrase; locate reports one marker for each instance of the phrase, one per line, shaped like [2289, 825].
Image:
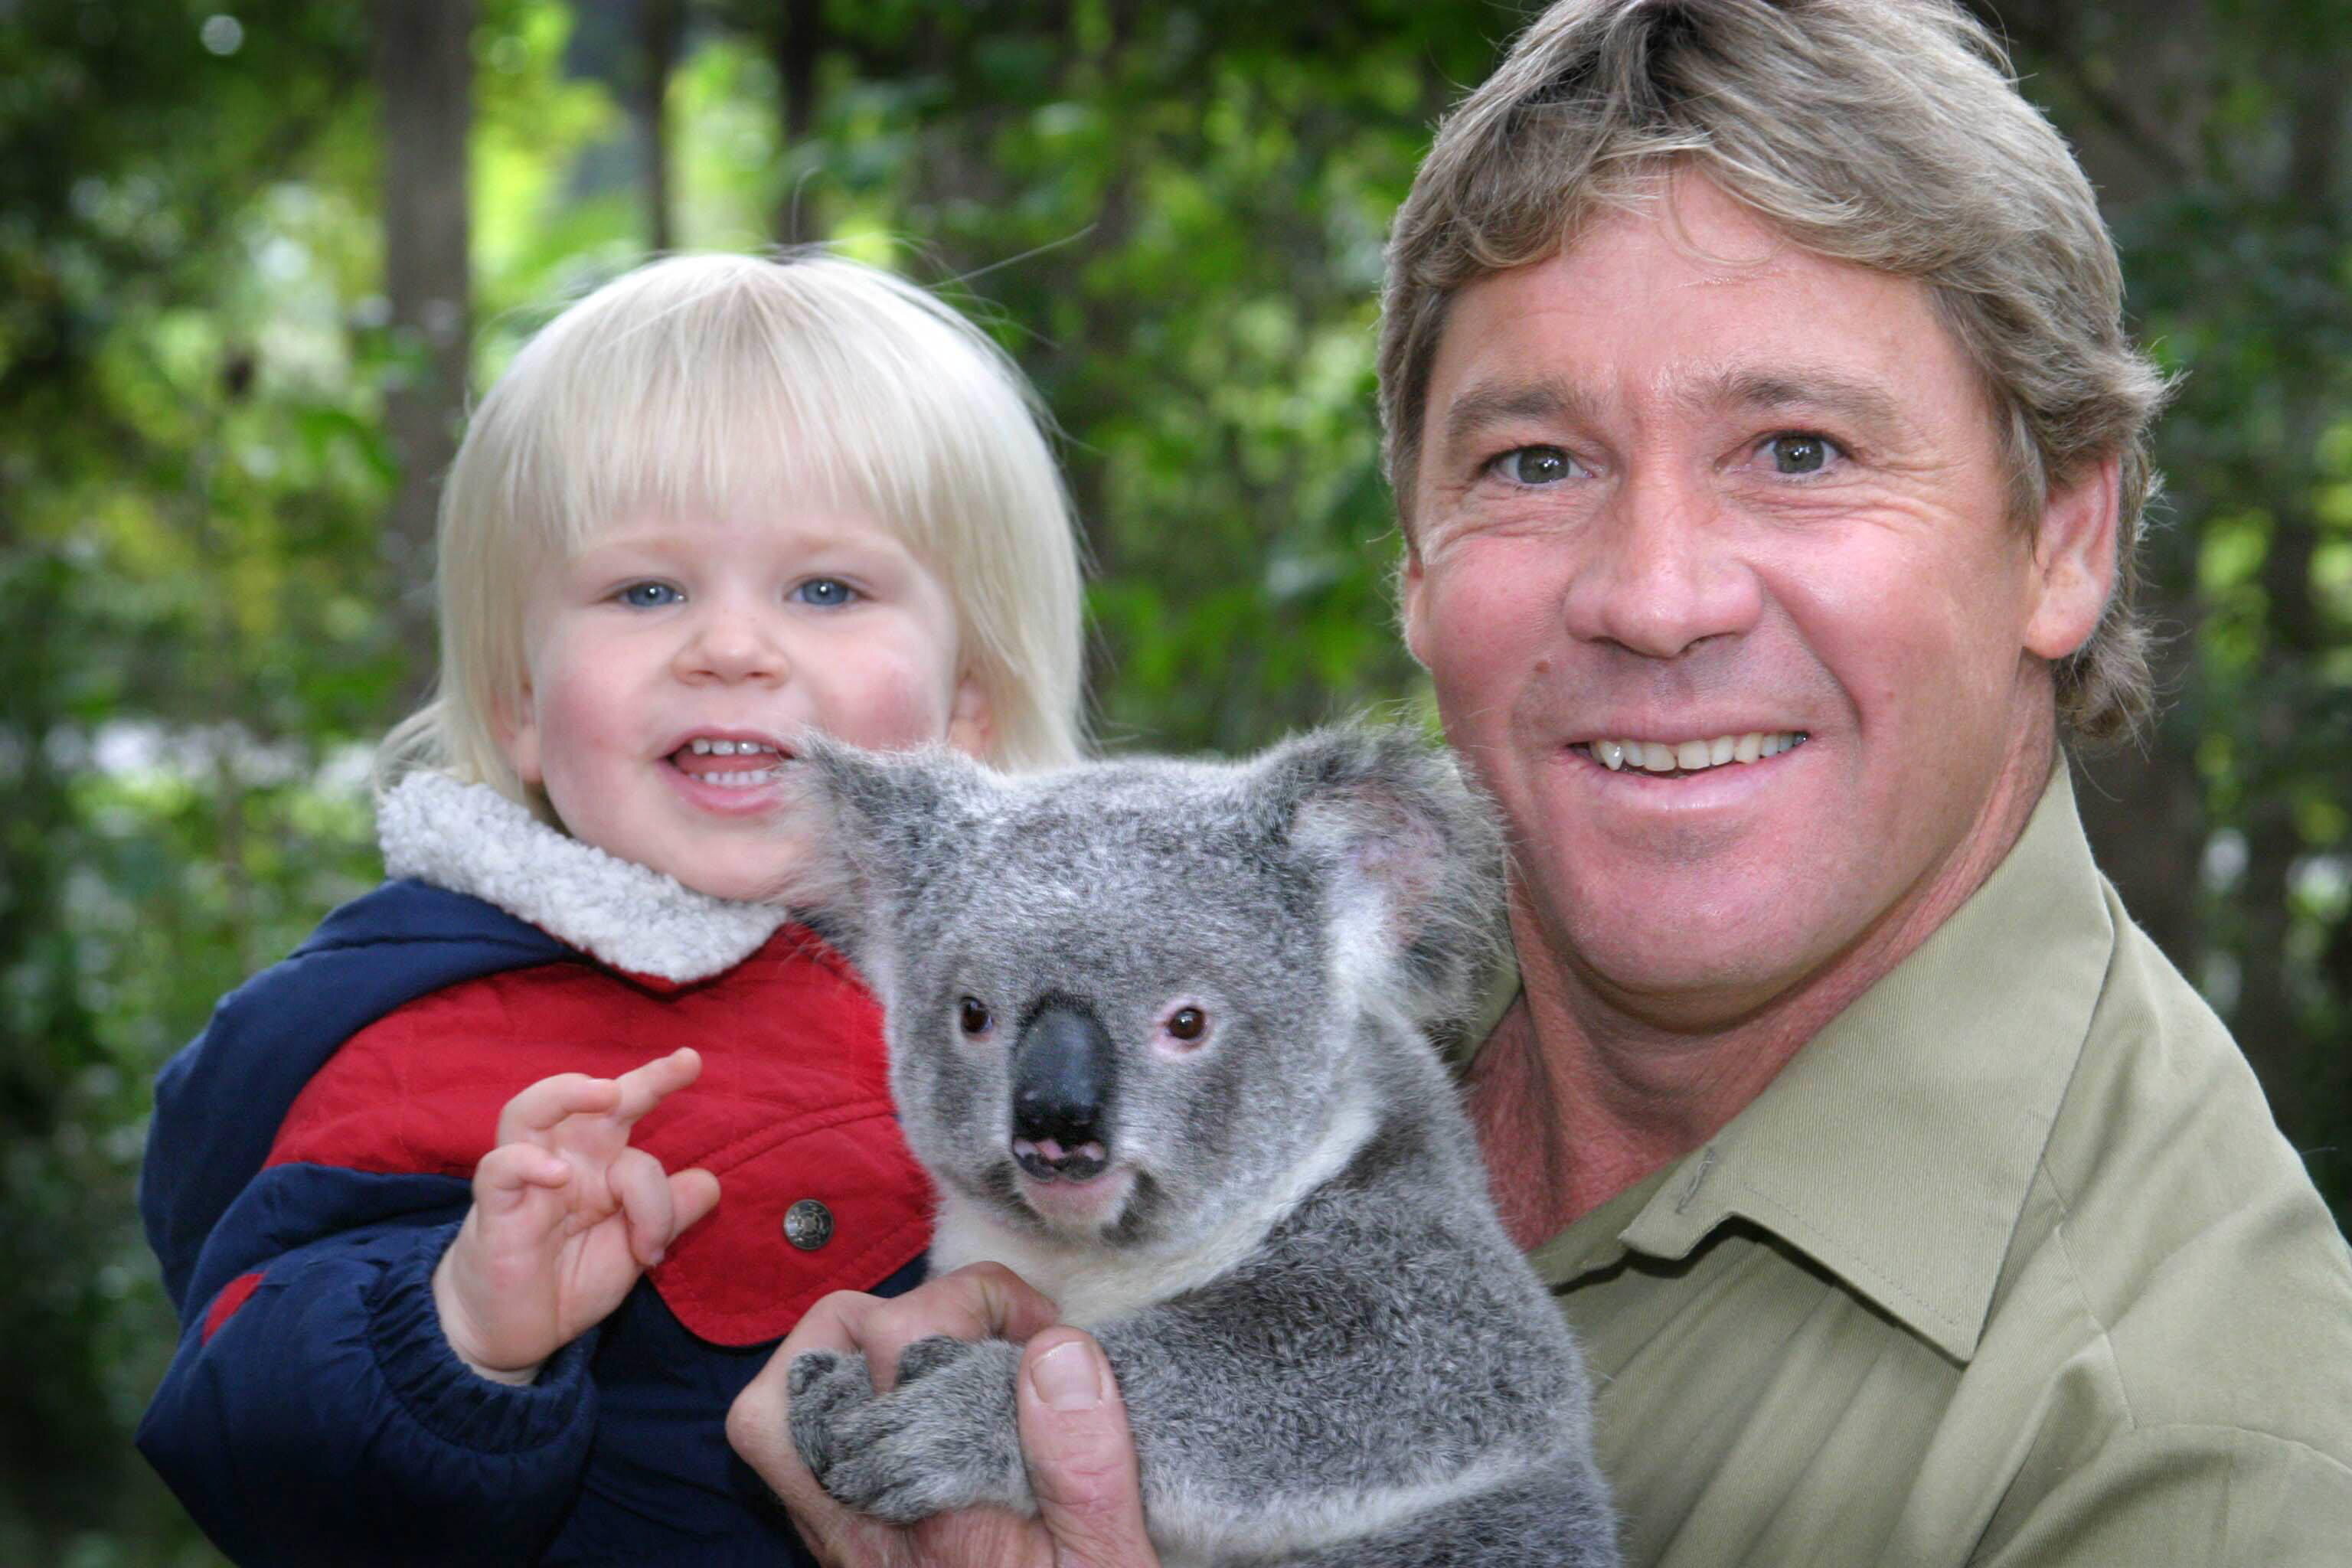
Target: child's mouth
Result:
[729, 764]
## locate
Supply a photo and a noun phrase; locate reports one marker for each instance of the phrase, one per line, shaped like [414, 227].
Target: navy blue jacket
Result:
[298, 1196]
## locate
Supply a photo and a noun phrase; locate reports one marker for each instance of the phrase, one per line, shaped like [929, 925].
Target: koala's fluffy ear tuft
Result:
[1414, 858]
[874, 821]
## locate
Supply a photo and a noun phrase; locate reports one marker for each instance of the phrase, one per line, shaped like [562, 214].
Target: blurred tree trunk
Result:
[2267, 1019]
[423, 54]
[660, 25]
[797, 40]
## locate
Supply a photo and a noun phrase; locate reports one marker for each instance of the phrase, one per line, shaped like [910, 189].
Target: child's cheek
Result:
[905, 702]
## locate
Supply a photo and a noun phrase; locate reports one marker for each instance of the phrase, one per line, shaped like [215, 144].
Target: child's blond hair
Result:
[708, 385]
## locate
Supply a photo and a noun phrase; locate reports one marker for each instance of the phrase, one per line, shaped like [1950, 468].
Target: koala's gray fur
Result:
[1329, 1350]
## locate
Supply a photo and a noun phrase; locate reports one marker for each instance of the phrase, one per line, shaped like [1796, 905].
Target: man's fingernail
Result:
[1066, 1379]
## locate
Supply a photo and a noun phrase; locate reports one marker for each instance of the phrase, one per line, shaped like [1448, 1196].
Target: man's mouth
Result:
[1679, 758]
[729, 762]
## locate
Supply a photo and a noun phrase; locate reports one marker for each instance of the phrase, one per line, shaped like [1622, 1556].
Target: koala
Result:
[1162, 1034]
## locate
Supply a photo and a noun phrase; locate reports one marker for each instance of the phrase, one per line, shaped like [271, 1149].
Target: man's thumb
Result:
[1081, 1457]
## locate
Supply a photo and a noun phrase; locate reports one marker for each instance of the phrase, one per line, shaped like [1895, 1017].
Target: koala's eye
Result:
[972, 1014]
[1188, 1024]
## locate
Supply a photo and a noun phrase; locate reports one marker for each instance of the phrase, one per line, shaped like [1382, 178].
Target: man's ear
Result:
[2073, 569]
[1413, 595]
[972, 722]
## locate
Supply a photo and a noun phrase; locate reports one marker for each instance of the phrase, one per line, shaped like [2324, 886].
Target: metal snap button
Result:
[808, 1225]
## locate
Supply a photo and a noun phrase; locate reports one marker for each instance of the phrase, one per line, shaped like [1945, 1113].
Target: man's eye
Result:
[649, 595]
[1535, 465]
[1794, 452]
[827, 593]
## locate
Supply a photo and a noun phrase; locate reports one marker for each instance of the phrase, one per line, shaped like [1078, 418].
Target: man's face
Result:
[1690, 490]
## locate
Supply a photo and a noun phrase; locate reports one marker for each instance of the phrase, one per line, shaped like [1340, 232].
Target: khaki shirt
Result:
[2009, 1266]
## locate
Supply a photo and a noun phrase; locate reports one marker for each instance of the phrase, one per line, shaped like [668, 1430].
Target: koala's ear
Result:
[875, 821]
[1413, 858]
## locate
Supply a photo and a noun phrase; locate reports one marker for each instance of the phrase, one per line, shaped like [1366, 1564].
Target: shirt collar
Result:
[1897, 1148]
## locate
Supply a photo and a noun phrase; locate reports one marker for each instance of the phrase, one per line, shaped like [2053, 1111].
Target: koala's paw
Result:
[825, 1384]
[944, 1438]
[930, 1355]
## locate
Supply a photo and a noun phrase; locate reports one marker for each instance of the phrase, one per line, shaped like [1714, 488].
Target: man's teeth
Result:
[1690, 757]
[702, 748]
[736, 779]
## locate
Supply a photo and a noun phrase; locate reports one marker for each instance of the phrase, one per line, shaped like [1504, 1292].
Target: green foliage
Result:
[1172, 216]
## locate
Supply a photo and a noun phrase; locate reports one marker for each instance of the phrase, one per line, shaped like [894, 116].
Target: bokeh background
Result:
[254, 255]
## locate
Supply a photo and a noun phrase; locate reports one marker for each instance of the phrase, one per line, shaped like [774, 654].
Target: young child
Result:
[430, 1195]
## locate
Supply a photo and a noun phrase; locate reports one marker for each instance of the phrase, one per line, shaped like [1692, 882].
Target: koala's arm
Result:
[1265, 1413]
[1307, 1403]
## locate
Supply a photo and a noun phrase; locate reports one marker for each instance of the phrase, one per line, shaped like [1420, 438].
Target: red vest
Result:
[793, 1102]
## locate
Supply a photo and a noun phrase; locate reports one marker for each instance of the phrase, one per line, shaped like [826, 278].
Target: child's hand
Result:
[566, 1214]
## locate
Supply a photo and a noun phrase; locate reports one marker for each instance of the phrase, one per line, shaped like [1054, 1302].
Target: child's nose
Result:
[732, 644]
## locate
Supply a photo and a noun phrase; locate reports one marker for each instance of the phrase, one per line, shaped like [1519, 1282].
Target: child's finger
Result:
[547, 1102]
[644, 1088]
[642, 1187]
[692, 1194]
[508, 1173]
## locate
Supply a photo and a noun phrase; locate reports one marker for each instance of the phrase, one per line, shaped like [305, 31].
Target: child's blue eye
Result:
[648, 595]
[826, 593]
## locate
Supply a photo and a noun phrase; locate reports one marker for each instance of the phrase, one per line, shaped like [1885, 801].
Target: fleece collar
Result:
[471, 839]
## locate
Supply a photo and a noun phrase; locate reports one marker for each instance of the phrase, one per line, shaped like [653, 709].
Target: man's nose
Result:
[733, 642]
[1662, 572]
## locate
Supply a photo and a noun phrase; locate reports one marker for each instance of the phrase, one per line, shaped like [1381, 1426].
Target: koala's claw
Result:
[872, 1489]
[928, 1355]
[807, 1368]
[826, 1387]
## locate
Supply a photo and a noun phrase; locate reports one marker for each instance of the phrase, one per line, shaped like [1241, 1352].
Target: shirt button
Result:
[808, 1225]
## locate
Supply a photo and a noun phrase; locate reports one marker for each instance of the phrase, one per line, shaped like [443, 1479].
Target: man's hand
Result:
[566, 1215]
[1073, 1434]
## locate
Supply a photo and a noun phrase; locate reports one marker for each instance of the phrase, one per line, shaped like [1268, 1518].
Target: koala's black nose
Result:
[1062, 1073]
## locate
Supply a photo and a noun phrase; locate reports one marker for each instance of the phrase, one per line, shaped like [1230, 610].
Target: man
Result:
[1771, 454]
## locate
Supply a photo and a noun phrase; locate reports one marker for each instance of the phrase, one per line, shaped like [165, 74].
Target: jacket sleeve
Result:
[315, 1414]
[219, 1103]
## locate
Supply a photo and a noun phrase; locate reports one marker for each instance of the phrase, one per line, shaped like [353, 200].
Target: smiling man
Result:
[1711, 564]
[1771, 454]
